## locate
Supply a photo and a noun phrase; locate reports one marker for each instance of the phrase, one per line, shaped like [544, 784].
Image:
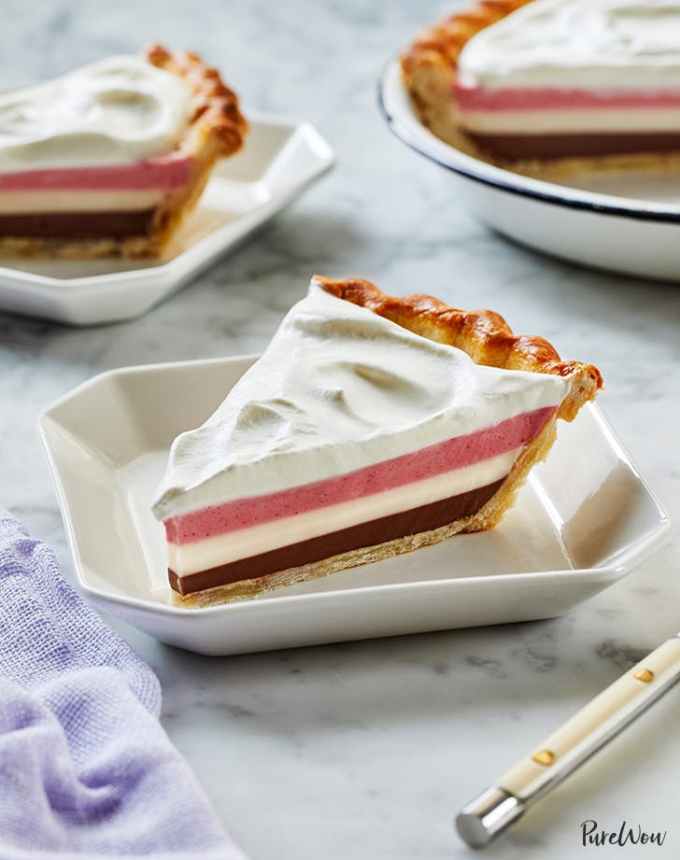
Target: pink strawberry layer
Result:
[482, 99]
[386, 475]
[165, 173]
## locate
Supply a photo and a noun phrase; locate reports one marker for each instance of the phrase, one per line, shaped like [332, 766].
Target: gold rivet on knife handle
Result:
[544, 757]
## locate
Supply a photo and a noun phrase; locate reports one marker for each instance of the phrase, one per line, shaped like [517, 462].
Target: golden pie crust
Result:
[486, 337]
[429, 68]
[216, 129]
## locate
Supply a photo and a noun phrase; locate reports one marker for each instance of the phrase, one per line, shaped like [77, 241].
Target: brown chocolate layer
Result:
[546, 146]
[422, 519]
[77, 225]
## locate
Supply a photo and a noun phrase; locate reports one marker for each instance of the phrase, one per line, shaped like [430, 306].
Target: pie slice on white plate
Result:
[108, 159]
[371, 426]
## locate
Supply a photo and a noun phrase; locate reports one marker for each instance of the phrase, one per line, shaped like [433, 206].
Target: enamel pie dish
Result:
[583, 520]
[558, 122]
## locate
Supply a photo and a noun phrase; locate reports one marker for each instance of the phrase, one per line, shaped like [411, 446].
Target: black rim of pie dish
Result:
[512, 185]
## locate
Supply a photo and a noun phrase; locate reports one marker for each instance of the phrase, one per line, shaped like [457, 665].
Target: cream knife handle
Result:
[571, 745]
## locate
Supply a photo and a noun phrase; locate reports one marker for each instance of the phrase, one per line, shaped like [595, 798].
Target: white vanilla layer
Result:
[245, 543]
[27, 202]
[599, 120]
[116, 111]
[579, 44]
[338, 389]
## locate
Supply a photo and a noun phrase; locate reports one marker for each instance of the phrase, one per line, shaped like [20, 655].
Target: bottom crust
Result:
[486, 518]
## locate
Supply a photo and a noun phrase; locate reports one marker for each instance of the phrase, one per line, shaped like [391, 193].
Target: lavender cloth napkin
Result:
[85, 768]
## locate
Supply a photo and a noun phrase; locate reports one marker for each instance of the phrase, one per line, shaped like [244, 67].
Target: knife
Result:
[552, 761]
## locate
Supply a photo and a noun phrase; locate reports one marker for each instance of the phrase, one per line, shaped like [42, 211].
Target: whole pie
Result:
[371, 426]
[554, 83]
[108, 159]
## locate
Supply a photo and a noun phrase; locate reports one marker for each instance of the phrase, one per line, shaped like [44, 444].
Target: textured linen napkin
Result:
[85, 768]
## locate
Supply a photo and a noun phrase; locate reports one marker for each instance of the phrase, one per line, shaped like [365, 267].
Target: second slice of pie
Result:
[108, 159]
[371, 426]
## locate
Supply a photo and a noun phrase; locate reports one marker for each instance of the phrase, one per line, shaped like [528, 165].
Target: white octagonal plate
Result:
[583, 521]
[280, 160]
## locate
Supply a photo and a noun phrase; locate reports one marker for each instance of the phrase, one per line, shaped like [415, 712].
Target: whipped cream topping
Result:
[117, 111]
[339, 388]
[580, 44]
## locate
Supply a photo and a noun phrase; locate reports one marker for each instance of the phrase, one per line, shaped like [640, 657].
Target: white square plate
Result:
[582, 522]
[280, 159]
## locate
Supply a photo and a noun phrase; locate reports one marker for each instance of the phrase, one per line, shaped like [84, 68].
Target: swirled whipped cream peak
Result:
[346, 418]
[116, 111]
[612, 44]
[589, 68]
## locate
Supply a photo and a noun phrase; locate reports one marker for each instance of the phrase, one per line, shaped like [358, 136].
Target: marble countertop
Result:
[365, 750]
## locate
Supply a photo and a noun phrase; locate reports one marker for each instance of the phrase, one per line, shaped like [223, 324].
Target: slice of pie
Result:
[582, 83]
[108, 159]
[371, 426]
